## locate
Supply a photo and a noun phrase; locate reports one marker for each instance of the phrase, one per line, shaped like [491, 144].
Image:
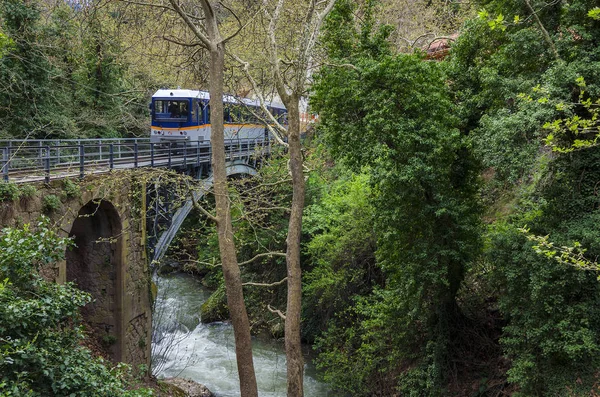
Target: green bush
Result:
[51, 203]
[424, 182]
[41, 353]
[71, 189]
[9, 191]
[28, 191]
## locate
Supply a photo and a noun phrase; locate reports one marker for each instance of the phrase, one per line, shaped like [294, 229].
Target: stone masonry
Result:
[103, 216]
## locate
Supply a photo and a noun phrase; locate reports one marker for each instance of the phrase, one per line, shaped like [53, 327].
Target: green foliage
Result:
[340, 246]
[552, 333]
[64, 73]
[24, 70]
[515, 96]
[22, 256]
[40, 334]
[71, 189]
[424, 183]
[578, 129]
[27, 190]
[509, 82]
[50, 203]
[573, 255]
[5, 44]
[9, 191]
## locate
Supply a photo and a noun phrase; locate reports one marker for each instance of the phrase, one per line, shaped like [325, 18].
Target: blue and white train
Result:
[184, 116]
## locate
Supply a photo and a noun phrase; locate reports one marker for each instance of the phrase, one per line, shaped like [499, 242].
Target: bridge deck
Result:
[43, 160]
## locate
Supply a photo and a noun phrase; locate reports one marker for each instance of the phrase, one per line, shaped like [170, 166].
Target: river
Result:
[184, 347]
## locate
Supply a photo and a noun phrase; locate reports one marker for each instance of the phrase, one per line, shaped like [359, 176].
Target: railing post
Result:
[169, 161]
[100, 148]
[47, 165]
[41, 153]
[5, 163]
[111, 156]
[151, 154]
[81, 160]
[135, 154]
[198, 153]
[184, 153]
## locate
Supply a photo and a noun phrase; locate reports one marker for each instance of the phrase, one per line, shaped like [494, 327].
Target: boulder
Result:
[189, 387]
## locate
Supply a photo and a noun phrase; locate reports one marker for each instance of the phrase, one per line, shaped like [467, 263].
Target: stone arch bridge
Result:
[109, 211]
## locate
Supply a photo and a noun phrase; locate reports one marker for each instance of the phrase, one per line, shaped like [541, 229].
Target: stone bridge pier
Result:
[103, 216]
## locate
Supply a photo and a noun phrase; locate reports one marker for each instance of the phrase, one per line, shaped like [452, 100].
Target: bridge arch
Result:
[95, 266]
[238, 167]
[234, 168]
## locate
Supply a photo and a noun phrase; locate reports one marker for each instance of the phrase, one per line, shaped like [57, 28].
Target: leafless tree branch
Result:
[276, 283]
[193, 27]
[263, 255]
[278, 312]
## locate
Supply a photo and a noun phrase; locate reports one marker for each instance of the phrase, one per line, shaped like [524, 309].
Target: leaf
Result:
[594, 13]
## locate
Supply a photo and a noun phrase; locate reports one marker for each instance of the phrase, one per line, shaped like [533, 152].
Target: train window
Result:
[255, 111]
[235, 116]
[246, 114]
[170, 109]
[194, 112]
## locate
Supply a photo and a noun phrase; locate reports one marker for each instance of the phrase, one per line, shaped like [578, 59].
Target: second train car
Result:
[184, 116]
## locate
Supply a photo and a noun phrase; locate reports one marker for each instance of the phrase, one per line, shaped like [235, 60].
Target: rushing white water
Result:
[184, 347]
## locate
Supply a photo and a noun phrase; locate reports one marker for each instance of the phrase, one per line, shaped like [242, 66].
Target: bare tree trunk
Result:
[293, 347]
[231, 269]
[290, 92]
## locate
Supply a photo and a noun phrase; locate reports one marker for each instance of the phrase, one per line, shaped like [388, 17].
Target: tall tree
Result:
[25, 73]
[506, 76]
[206, 29]
[291, 58]
[393, 114]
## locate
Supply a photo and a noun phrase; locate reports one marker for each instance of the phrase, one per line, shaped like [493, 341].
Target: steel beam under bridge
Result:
[236, 167]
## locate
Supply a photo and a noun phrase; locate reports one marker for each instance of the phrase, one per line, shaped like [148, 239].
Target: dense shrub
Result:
[40, 329]
[9, 191]
[50, 203]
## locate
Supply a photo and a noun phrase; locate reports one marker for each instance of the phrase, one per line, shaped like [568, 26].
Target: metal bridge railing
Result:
[33, 160]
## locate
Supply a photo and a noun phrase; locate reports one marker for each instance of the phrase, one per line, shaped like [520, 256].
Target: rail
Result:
[42, 159]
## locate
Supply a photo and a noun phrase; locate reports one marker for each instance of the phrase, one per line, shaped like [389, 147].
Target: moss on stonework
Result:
[215, 307]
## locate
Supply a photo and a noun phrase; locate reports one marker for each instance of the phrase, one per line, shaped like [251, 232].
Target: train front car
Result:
[179, 116]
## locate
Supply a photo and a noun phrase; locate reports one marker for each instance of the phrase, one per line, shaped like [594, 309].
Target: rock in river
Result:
[189, 387]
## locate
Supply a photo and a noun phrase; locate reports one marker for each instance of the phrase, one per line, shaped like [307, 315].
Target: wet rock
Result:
[215, 308]
[169, 267]
[189, 387]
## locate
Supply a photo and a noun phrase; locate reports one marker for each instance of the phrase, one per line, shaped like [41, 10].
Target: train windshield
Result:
[171, 109]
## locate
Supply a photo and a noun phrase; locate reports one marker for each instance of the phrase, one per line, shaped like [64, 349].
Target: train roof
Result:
[179, 93]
